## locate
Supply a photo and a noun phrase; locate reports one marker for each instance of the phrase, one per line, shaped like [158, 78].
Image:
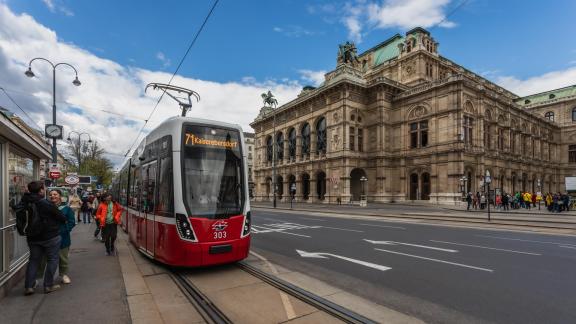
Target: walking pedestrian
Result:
[75, 203]
[505, 200]
[65, 229]
[468, 200]
[46, 242]
[108, 215]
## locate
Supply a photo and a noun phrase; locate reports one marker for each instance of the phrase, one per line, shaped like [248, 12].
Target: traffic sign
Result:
[54, 174]
[72, 179]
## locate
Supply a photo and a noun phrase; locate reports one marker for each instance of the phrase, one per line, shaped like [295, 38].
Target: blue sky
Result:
[276, 39]
[249, 47]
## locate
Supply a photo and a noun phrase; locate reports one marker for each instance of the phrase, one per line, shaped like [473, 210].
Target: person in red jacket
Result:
[108, 216]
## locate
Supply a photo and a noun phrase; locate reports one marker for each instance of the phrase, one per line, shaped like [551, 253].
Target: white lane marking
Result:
[485, 247]
[279, 230]
[288, 308]
[436, 260]
[385, 226]
[522, 240]
[341, 229]
[568, 247]
[409, 244]
[321, 255]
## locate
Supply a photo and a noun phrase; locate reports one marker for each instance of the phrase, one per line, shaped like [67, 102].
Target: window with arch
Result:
[468, 129]
[419, 134]
[572, 153]
[321, 136]
[550, 115]
[269, 148]
[292, 144]
[280, 146]
[305, 139]
[574, 114]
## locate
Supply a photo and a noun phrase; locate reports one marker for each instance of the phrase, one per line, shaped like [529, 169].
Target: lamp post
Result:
[79, 145]
[487, 181]
[53, 131]
[463, 184]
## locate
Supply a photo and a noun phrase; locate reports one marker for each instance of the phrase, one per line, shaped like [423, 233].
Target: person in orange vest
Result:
[108, 216]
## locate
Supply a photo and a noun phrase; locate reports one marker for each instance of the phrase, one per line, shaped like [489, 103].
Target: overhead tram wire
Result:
[460, 5]
[82, 106]
[17, 105]
[174, 74]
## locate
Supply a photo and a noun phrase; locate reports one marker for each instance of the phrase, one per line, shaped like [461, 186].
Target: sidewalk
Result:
[96, 294]
[534, 217]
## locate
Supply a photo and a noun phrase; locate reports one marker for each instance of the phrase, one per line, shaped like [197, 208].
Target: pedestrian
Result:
[482, 201]
[468, 200]
[498, 201]
[505, 200]
[75, 204]
[44, 244]
[85, 208]
[65, 229]
[108, 215]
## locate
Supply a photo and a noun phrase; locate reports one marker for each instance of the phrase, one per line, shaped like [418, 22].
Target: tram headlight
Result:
[247, 224]
[184, 228]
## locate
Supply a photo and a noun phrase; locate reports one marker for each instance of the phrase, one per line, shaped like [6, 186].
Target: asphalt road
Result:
[440, 274]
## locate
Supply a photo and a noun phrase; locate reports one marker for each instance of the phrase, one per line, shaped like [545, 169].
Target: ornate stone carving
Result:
[336, 117]
[335, 142]
[417, 112]
[408, 69]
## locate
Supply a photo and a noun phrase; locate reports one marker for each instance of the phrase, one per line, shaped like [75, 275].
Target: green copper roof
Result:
[388, 52]
[547, 96]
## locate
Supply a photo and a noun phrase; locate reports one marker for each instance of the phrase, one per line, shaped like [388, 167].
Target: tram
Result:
[185, 193]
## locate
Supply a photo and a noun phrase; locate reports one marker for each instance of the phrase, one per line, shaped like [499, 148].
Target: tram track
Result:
[207, 309]
[335, 310]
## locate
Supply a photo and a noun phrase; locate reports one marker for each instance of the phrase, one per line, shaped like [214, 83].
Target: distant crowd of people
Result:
[48, 221]
[553, 202]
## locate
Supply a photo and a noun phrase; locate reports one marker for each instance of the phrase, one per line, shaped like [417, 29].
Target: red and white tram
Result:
[185, 193]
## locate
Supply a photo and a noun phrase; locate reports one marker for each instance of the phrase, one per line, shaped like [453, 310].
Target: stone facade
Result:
[404, 123]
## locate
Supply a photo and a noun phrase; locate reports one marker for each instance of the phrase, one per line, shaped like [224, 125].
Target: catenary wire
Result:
[173, 75]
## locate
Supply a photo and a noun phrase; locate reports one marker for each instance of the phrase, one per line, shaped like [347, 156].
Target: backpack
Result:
[28, 220]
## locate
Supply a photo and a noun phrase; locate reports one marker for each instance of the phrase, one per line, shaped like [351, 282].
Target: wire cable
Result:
[17, 105]
[174, 74]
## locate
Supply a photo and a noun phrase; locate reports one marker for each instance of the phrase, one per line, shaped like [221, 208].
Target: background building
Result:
[400, 122]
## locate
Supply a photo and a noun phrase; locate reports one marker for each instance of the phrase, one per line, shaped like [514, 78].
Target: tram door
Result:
[148, 205]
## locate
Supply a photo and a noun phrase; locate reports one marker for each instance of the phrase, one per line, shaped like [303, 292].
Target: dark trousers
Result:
[48, 248]
[109, 233]
[97, 231]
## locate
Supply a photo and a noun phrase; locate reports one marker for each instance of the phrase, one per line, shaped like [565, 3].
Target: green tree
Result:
[88, 159]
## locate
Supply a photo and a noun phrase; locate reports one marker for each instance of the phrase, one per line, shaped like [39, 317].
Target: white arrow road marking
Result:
[385, 226]
[341, 229]
[515, 239]
[321, 255]
[486, 247]
[436, 260]
[416, 245]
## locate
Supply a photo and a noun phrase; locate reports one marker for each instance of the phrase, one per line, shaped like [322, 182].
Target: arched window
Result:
[550, 115]
[305, 139]
[292, 144]
[574, 114]
[280, 146]
[269, 148]
[321, 136]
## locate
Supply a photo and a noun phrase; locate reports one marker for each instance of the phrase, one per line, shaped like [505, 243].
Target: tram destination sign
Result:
[192, 139]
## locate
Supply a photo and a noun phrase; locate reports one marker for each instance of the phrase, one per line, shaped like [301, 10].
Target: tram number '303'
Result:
[220, 235]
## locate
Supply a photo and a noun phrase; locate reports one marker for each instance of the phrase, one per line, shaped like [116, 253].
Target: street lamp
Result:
[463, 182]
[79, 135]
[53, 131]
[487, 181]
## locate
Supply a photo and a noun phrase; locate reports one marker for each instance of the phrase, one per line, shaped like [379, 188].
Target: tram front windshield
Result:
[212, 168]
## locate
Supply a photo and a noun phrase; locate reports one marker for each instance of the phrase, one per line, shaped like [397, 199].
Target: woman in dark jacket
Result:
[65, 229]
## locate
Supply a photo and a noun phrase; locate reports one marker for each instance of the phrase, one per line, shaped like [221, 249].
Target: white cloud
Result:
[294, 31]
[548, 81]
[165, 61]
[53, 7]
[360, 16]
[315, 77]
[107, 85]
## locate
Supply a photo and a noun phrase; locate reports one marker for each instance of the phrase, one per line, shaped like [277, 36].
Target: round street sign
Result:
[72, 179]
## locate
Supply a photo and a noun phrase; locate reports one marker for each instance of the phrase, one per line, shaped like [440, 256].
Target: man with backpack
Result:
[39, 220]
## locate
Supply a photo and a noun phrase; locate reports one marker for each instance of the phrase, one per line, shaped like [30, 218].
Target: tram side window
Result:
[135, 189]
[165, 205]
[122, 187]
[148, 187]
